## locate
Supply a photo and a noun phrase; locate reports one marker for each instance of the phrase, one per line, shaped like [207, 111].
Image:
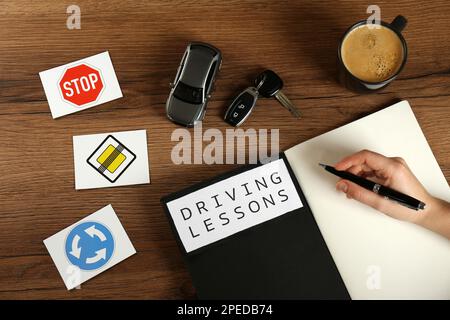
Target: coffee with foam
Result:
[372, 54]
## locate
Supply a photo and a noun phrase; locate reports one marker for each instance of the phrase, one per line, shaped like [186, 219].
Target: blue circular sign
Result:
[89, 245]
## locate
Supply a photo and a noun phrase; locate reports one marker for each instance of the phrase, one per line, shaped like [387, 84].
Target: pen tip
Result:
[322, 165]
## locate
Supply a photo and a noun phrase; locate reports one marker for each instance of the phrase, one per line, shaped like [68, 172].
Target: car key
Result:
[241, 107]
[269, 85]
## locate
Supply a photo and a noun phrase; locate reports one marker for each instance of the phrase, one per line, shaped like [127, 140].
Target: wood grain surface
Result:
[146, 39]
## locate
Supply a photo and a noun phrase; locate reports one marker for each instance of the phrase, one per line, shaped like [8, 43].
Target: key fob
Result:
[241, 107]
[269, 83]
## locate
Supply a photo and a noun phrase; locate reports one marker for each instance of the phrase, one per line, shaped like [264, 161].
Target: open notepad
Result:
[281, 230]
[411, 262]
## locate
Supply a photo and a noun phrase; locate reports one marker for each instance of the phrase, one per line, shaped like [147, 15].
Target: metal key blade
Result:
[285, 102]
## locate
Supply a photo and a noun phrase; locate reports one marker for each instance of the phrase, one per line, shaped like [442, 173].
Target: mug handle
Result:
[399, 23]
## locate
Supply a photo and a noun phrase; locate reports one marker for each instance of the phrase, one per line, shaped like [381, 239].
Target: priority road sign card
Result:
[111, 159]
[89, 247]
[80, 85]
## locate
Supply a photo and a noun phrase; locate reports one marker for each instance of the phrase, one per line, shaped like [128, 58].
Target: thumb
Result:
[354, 191]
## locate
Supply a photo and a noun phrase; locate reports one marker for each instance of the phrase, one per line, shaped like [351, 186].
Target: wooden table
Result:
[298, 39]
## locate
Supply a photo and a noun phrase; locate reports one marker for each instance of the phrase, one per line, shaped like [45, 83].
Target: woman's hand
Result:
[393, 173]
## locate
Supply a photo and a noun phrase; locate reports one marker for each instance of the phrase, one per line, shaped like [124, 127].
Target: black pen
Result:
[383, 191]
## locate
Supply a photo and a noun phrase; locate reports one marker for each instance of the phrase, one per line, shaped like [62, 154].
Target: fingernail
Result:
[342, 187]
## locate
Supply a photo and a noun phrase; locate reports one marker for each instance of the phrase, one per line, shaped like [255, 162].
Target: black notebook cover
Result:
[284, 258]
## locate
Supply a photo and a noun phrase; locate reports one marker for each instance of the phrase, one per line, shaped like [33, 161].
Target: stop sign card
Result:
[80, 85]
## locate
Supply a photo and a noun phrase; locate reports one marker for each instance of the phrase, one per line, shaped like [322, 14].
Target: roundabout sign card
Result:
[89, 247]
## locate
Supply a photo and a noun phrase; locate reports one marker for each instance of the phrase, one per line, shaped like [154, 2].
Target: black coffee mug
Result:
[353, 83]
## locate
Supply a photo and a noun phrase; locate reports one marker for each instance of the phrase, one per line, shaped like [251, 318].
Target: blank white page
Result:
[377, 256]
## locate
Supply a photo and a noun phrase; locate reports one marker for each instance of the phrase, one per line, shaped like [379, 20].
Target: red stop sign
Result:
[81, 84]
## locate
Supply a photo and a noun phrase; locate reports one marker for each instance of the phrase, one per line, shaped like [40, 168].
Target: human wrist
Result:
[430, 217]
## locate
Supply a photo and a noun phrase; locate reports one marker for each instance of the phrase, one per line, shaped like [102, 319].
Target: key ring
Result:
[261, 82]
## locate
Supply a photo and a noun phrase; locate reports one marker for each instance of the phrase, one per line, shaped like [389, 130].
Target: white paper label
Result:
[234, 204]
